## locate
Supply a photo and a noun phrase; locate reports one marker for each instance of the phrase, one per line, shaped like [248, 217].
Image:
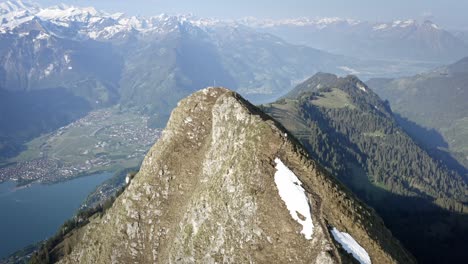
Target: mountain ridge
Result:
[88, 22]
[353, 133]
[360, 98]
[433, 100]
[215, 165]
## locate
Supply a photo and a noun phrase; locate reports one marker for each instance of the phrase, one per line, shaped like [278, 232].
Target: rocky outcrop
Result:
[227, 184]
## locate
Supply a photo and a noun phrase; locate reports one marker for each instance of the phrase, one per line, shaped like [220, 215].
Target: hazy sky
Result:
[448, 13]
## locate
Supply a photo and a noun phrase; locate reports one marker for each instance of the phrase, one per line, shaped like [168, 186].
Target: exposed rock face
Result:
[206, 193]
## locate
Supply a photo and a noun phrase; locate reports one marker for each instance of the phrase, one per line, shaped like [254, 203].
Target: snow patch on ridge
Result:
[291, 192]
[361, 87]
[403, 24]
[380, 27]
[351, 246]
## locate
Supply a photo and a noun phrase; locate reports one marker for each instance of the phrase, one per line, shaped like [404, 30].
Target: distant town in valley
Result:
[104, 140]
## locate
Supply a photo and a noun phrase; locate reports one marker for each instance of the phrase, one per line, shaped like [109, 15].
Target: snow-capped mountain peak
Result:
[17, 5]
[323, 23]
[79, 23]
[319, 22]
[100, 25]
[87, 22]
[68, 13]
[405, 24]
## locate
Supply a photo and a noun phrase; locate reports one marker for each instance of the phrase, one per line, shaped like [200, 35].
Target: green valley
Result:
[104, 140]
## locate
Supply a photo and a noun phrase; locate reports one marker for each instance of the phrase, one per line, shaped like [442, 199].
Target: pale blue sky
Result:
[448, 13]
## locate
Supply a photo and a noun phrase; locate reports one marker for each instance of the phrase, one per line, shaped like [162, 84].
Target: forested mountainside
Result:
[349, 129]
[435, 100]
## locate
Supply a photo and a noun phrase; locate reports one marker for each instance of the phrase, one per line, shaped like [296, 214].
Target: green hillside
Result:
[434, 100]
[357, 138]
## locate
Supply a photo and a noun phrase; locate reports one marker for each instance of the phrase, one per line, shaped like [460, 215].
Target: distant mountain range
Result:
[98, 60]
[435, 100]
[396, 40]
[48, 31]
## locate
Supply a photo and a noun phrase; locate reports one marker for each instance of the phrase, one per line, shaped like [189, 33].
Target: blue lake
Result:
[28, 215]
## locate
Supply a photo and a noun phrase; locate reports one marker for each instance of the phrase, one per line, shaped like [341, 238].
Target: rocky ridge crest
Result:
[206, 193]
